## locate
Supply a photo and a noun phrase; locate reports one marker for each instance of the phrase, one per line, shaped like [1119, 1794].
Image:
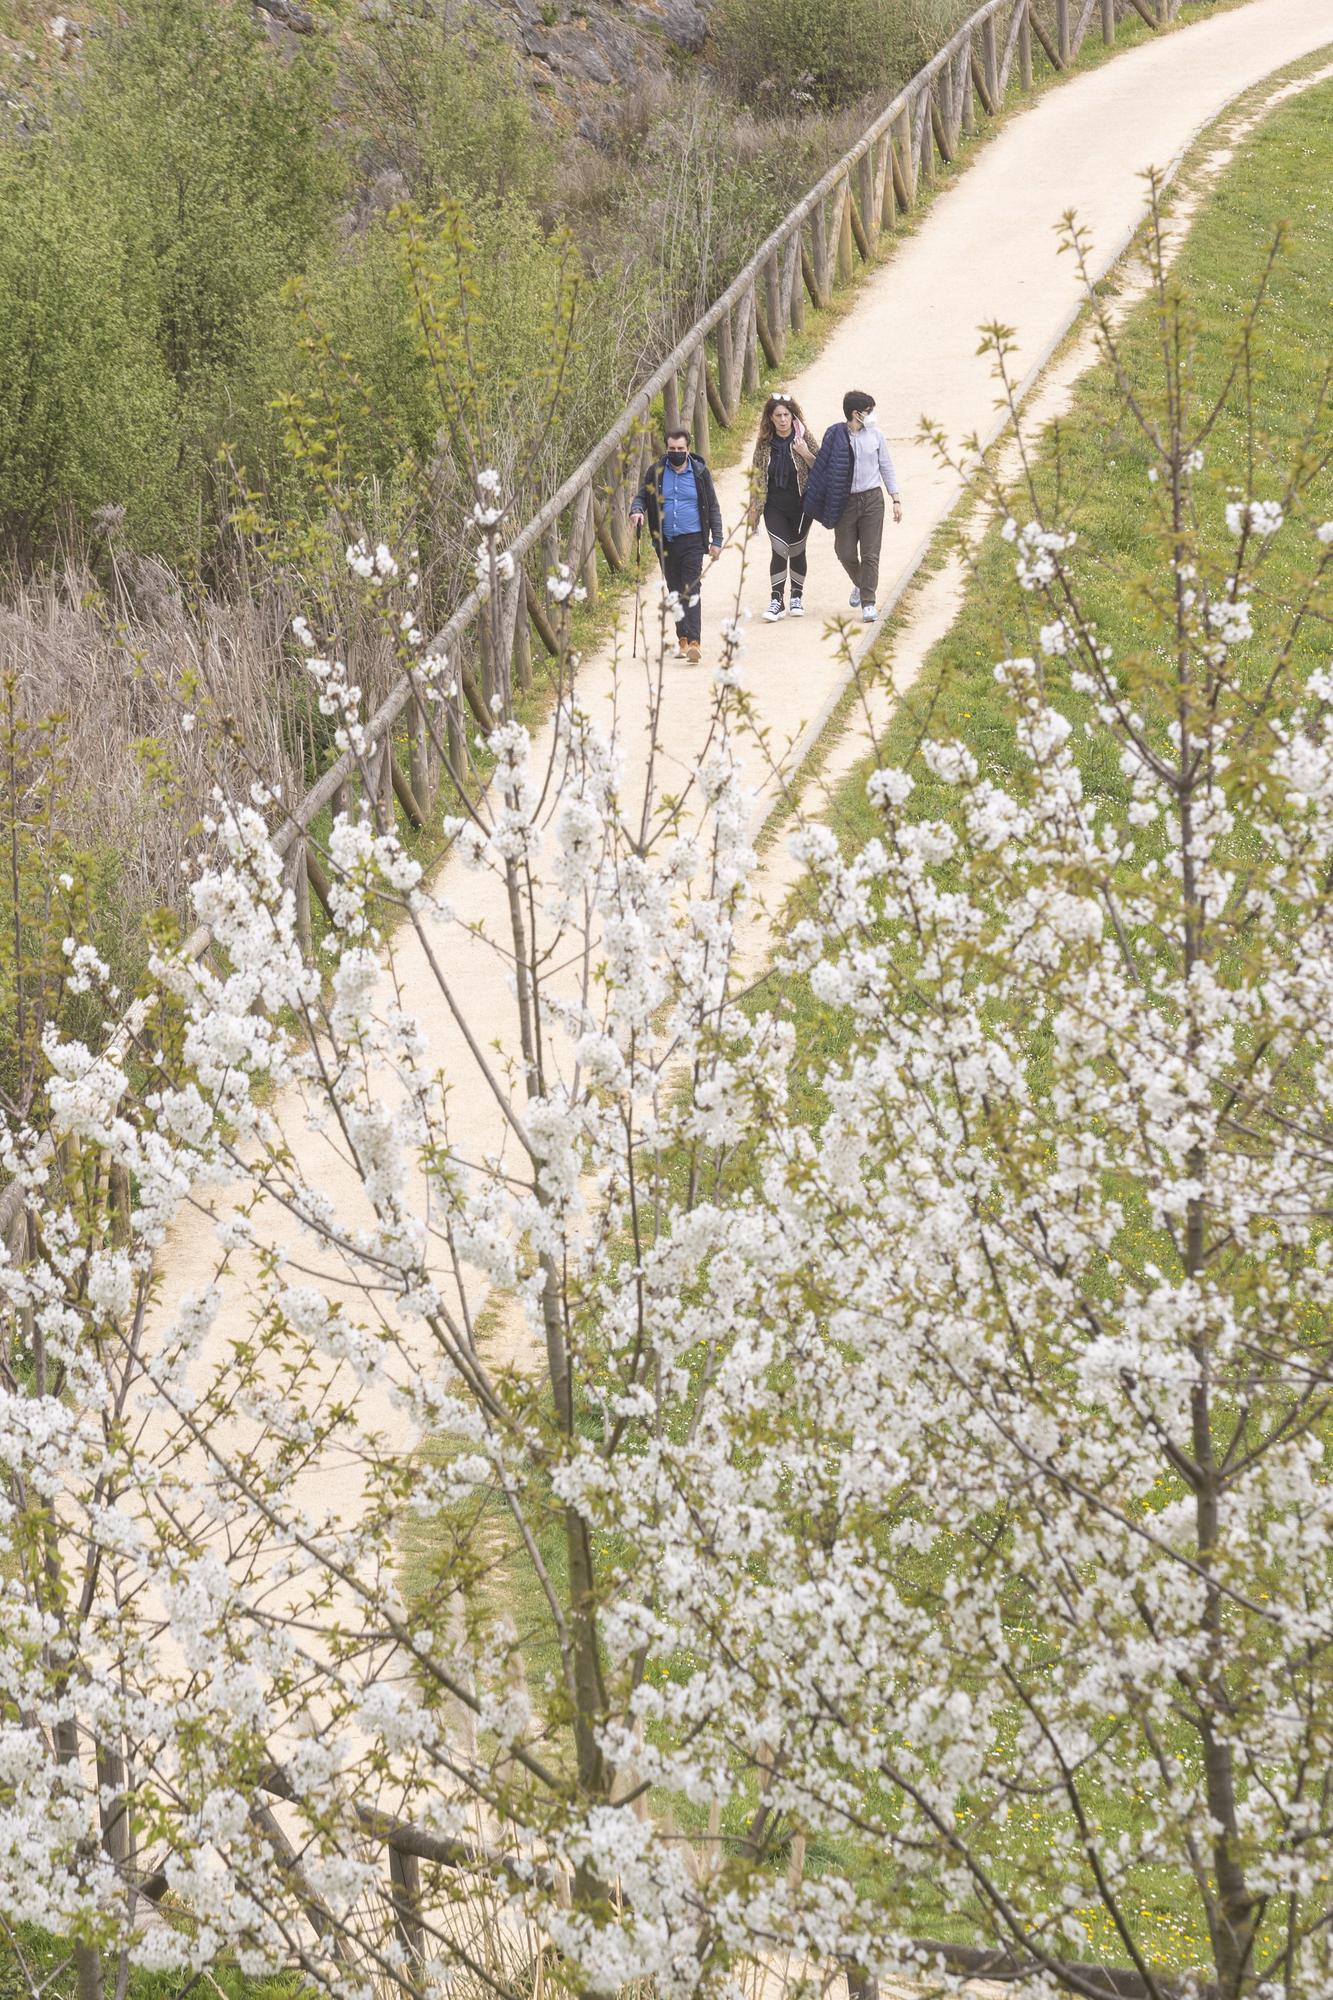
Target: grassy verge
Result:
[36, 1953]
[1097, 463]
[1281, 172]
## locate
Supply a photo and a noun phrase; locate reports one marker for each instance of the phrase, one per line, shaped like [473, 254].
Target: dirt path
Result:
[985, 251]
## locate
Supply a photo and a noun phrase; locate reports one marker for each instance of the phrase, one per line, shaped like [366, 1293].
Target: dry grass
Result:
[165, 697]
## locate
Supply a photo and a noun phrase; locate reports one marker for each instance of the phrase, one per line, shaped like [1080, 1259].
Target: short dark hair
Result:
[678, 434]
[854, 400]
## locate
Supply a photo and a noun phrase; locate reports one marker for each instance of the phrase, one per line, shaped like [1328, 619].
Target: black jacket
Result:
[648, 501]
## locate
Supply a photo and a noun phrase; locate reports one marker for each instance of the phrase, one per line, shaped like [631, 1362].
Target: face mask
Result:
[677, 458]
[867, 420]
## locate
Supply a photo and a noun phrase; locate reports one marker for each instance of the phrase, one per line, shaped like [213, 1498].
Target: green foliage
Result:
[424, 348]
[1097, 462]
[86, 408]
[221, 169]
[32, 1960]
[441, 104]
[806, 52]
[172, 187]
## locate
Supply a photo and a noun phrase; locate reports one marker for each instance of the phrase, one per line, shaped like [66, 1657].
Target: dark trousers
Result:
[857, 539]
[682, 566]
[783, 519]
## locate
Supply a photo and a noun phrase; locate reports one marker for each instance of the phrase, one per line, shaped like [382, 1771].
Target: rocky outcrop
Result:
[576, 52]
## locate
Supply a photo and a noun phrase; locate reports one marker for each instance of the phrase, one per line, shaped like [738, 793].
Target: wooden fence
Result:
[840, 223]
[489, 639]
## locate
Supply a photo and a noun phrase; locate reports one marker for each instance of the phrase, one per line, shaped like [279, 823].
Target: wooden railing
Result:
[488, 640]
[840, 222]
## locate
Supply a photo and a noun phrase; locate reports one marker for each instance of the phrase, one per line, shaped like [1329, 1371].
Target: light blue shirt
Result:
[680, 503]
[870, 460]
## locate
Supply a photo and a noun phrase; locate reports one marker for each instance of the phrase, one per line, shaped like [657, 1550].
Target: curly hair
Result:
[766, 430]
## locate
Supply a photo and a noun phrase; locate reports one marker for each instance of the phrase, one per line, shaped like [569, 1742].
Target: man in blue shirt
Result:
[679, 502]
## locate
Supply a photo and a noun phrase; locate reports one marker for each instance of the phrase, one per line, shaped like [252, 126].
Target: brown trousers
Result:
[857, 538]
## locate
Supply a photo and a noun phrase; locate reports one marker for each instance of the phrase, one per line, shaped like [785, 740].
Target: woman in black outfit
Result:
[782, 458]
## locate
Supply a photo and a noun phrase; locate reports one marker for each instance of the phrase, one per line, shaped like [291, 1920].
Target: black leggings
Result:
[782, 518]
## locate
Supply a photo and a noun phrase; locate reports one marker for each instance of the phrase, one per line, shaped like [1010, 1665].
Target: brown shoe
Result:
[682, 650]
[692, 652]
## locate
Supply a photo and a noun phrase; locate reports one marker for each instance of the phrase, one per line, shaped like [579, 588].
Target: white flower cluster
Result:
[374, 566]
[1260, 517]
[908, 1428]
[562, 587]
[1038, 549]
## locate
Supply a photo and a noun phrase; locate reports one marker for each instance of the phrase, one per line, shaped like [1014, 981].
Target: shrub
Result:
[443, 108]
[806, 52]
[170, 190]
[86, 408]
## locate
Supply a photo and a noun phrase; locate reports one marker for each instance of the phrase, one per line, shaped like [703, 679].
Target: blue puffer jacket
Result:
[830, 482]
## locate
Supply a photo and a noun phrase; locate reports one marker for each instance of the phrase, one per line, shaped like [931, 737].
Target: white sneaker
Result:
[868, 613]
[774, 612]
[796, 609]
[854, 599]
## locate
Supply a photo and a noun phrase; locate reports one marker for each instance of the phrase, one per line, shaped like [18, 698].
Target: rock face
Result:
[578, 50]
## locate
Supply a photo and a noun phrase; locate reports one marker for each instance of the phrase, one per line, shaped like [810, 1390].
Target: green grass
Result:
[1281, 173]
[1101, 467]
[42, 1955]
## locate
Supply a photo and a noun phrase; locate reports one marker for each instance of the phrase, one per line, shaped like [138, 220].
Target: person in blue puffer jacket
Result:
[843, 493]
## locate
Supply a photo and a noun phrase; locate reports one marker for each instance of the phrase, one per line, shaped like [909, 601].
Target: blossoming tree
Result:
[864, 1491]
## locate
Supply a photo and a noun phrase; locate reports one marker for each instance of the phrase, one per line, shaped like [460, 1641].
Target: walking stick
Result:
[638, 546]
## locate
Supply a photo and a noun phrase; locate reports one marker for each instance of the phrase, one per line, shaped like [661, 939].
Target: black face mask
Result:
[677, 458]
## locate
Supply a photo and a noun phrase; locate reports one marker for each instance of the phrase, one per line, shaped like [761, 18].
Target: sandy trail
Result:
[986, 251]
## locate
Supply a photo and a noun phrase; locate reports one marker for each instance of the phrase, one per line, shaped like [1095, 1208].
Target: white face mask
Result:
[867, 420]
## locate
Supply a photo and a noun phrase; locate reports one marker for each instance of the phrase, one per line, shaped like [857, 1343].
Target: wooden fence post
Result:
[846, 261]
[884, 202]
[1025, 44]
[299, 879]
[1049, 48]
[726, 370]
[775, 309]
[405, 1897]
[939, 120]
[990, 63]
[922, 145]
[388, 772]
[119, 1196]
[818, 256]
[750, 354]
[485, 655]
[581, 555]
[419, 760]
[115, 1812]
[902, 166]
[1108, 23]
[523, 650]
[1062, 31]
[793, 281]
[865, 206]
[455, 734]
